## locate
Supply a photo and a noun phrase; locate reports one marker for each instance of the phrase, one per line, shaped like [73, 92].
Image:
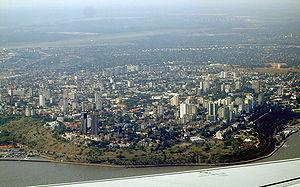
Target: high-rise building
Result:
[224, 113]
[223, 75]
[111, 80]
[42, 101]
[238, 85]
[187, 112]
[151, 84]
[255, 86]
[129, 83]
[192, 109]
[249, 103]
[89, 122]
[83, 125]
[241, 108]
[280, 90]
[98, 102]
[227, 88]
[64, 106]
[206, 86]
[183, 109]
[27, 111]
[234, 75]
[30, 92]
[212, 111]
[10, 92]
[32, 112]
[94, 127]
[160, 109]
[231, 114]
[174, 100]
[261, 99]
[51, 101]
[200, 100]
[222, 87]
[47, 93]
[201, 85]
[212, 108]
[84, 106]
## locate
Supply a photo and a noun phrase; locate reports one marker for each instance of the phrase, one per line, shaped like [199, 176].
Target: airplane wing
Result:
[267, 174]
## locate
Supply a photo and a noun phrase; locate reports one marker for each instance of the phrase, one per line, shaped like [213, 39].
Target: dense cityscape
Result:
[187, 83]
[149, 93]
[205, 110]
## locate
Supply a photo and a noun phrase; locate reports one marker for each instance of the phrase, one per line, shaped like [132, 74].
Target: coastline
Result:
[47, 160]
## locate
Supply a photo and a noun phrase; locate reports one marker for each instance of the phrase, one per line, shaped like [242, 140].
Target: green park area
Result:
[43, 141]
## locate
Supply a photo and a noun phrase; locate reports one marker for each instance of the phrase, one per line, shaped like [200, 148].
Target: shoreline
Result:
[152, 166]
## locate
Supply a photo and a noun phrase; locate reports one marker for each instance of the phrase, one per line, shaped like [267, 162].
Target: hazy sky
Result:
[24, 17]
[101, 3]
[26, 10]
[63, 3]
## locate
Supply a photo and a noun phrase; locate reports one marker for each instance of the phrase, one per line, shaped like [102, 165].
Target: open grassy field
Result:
[91, 40]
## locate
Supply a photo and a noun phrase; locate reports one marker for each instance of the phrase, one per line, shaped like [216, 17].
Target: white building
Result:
[42, 101]
[183, 109]
[174, 100]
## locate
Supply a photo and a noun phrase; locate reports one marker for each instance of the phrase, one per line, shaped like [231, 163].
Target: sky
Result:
[105, 3]
[96, 3]
[27, 10]
[58, 15]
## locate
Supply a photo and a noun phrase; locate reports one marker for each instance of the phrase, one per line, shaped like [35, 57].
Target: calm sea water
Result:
[26, 173]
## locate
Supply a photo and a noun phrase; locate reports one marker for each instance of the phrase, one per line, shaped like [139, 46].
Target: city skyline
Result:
[93, 90]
